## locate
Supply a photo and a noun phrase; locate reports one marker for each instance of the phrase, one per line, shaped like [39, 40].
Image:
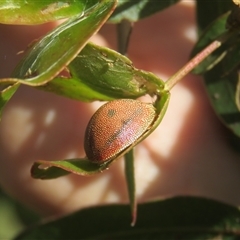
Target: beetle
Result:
[115, 126]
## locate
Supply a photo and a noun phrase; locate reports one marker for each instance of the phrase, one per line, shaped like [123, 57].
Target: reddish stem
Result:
[195, 61]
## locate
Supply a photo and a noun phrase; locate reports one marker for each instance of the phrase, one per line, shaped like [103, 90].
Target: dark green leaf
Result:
[53, 169]
[222, 90]
[208, 11]
[41, 171]
[232, 58]
[99, 73]
[177, 218]
[124, 31]
[36, 12]
[221, 81]
[213, 31]
[138, 9]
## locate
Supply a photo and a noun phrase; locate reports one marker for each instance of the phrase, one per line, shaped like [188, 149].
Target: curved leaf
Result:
[53, 169]
[56, 50]
[49, 56]
[48, 169]
[36, 12]
[99, 73]
[6, 94]
[177, 218]
[138, 9]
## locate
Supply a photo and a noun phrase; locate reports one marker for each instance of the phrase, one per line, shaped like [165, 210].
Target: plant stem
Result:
[195, 61]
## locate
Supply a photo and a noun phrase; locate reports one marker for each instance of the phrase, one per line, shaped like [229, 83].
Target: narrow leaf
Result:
[237, 96]
[56, 50]
[52, 169]
[124, 30]
[5, 95]
[130, 178]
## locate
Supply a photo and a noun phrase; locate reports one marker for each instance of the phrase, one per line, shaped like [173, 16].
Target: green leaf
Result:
[138, 9]
[56, 50]
[208, 11]
[50, 55]
[214, 30]
[53, 169]
[73, 88]
[124, 31]
[222, 79]
[161, 106]
[5, 95]
[232, 58]
[99, 73]
[177, 218]
[237, 95]
[222, 89]
[36, 12]
[130, 178]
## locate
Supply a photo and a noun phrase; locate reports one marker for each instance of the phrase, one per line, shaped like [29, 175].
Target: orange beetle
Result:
[115, 126]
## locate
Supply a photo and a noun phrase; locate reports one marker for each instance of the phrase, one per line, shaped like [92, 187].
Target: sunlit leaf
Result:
[36, 12]
[177, 218]
[138, 9]
[50, 55]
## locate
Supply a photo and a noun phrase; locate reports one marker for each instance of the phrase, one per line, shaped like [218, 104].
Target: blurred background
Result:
[14, 217]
